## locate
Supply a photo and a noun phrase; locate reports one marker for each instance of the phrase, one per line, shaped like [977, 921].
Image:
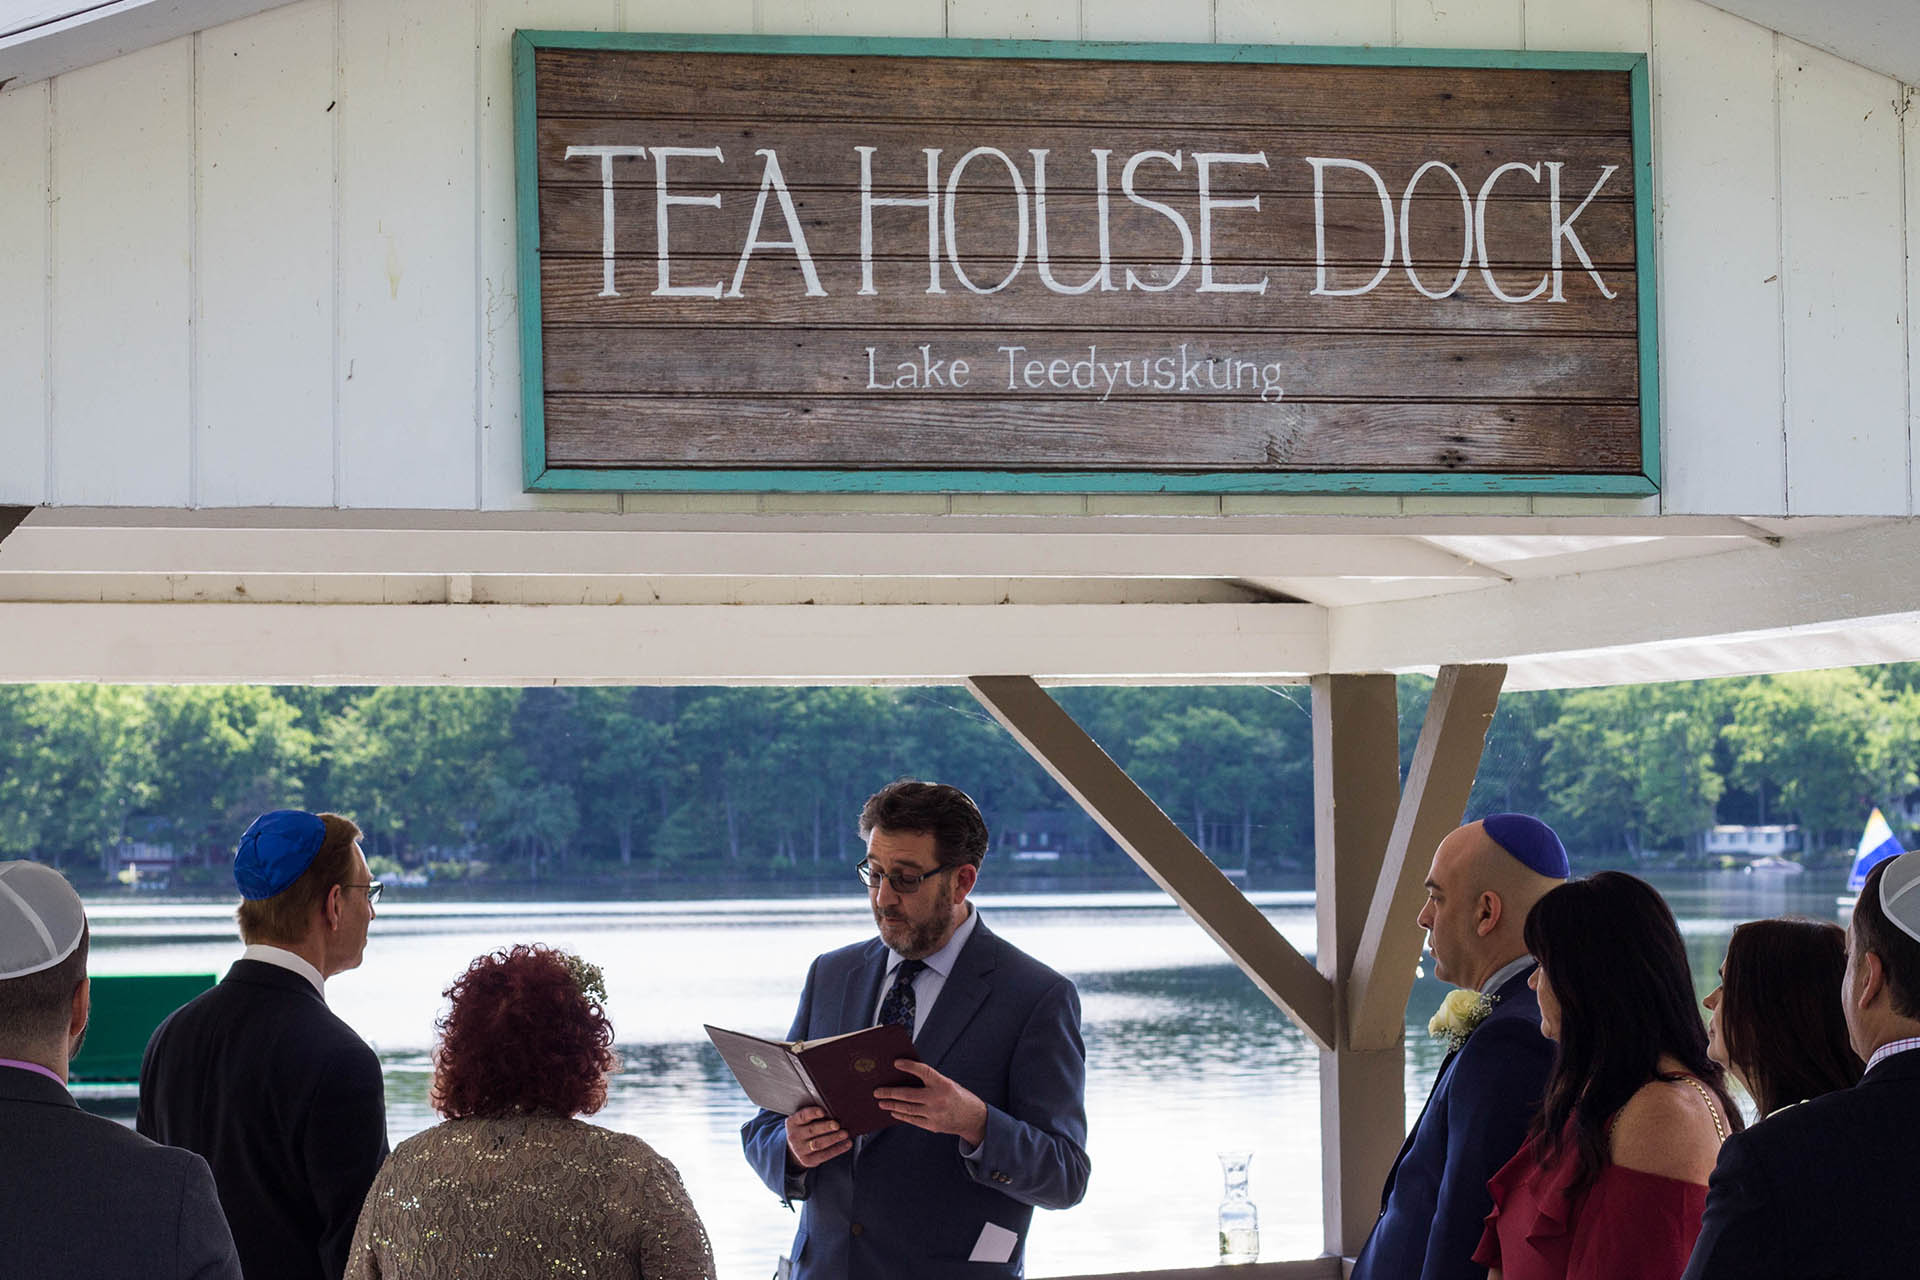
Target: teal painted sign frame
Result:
[541, 477]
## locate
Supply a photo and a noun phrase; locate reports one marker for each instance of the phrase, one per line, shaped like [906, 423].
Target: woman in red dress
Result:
[1613, 1178]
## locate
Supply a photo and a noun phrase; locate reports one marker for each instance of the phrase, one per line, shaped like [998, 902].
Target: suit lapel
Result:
[1508, 989]
[1406, 1145]
[861, 993]
[965, 990]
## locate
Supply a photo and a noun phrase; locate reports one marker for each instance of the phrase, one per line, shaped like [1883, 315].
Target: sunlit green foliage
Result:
[767, 782]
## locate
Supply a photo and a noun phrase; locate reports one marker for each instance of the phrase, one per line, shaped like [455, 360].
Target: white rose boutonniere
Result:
[1458, 1015]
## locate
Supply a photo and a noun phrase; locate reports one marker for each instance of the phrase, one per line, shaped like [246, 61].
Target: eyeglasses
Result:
[902, 881]
[373, 888]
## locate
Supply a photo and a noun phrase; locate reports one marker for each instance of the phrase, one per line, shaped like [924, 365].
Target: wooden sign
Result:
[814, 264]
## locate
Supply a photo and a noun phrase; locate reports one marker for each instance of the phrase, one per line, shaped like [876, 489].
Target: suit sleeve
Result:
[362, 1263]
[145, 1117]
[764, 1138]
[1491, 1100]
[1035, 1150]
[203, 1242]
[343, 1144]
[1739, 1235]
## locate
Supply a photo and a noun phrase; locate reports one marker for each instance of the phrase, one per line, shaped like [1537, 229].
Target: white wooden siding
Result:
[245, 298]
[122, 275]
[923, 19]
[408, 282]
[1841, 190]
[1145, 20]
[23, 290]
[1724, 435]
[263, 349]
[1458, 24]
[1612, 26]
[1331, 22]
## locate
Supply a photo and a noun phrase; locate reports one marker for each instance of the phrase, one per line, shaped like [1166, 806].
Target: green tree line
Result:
[767, 781]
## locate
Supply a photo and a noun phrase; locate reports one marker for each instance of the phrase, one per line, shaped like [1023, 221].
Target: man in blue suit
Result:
[1484, 879]
[997, 1124]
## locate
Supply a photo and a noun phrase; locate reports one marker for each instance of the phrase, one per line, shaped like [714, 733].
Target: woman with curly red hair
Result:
[514, 1184]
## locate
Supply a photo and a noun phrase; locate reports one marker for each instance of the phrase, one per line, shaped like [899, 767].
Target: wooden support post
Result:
[1152, 840]
[1356, 786]
[1431, 804]
[10, 518]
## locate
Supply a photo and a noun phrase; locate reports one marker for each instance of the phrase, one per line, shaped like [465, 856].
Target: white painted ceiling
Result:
[1882, 35]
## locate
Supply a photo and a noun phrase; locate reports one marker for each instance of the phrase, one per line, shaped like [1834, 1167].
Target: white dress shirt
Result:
[930, 981]
[287, 960]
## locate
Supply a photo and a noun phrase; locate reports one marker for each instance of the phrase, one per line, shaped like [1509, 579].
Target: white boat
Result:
[1772, 866]
[1876, 846]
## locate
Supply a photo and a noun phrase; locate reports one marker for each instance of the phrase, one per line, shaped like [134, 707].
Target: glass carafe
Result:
[1239, 1220]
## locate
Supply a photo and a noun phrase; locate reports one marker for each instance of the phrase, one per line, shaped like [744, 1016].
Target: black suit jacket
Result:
[1825, 1190]
[285, 1102]
[82, 1198]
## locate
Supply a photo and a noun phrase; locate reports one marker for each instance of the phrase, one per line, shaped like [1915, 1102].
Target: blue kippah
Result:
[275, 850]
[1530, 841]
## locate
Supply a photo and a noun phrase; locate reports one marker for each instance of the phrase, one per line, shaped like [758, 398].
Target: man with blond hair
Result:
[1484, 879]
[79, 1194]
[259, 1076]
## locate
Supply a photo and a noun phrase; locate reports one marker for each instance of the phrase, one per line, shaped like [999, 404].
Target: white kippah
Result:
[41, 919]
[1900, 893]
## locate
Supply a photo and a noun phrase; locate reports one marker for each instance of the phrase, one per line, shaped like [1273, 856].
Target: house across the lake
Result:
[1754, 842]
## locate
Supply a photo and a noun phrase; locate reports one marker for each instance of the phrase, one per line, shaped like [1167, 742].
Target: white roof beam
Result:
[947, 552]
[88, 33]
[1807, 602]
[646, 644]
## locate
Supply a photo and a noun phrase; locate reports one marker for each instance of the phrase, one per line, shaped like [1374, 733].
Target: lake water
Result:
[1185, 1057]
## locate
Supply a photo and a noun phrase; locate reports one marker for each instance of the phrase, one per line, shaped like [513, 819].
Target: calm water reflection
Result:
[1185, 1057]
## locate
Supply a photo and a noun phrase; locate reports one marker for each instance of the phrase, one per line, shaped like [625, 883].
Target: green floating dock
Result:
[126, 1009]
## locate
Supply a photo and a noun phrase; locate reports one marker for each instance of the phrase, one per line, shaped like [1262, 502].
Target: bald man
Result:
[1484, 879]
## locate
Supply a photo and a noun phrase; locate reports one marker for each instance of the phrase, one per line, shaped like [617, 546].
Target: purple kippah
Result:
[1530, 841]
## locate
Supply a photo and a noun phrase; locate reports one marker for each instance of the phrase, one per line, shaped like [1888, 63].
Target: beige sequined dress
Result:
[528, 1196]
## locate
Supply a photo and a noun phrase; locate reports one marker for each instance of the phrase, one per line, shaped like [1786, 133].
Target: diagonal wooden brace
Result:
[10, 518]
[1431, 804]
[1162, 850]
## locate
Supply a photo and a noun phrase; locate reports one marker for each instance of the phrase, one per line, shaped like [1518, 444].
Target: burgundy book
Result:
[839, 1072]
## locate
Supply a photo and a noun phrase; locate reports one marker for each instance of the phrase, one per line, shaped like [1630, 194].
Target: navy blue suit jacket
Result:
[286, 1104]
[905, 1204]
[1825, 1190]
[83, 1198]
[1435, 1202]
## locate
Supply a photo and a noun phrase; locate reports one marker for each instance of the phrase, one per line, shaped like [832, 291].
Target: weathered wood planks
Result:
[892, 263]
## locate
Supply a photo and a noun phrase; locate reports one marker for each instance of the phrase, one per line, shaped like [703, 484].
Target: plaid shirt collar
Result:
[1892, 1047]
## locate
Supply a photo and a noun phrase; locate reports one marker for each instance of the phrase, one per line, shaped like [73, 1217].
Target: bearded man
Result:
[997, 1125]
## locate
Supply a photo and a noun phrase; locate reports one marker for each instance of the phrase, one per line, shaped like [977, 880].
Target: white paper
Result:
[994, 1245]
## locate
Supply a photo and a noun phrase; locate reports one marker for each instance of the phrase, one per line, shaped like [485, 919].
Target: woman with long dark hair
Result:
[1612, 1180]
[514, 1184]
[1777, 1024]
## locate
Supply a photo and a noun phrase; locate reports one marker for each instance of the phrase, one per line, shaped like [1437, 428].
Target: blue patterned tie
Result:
[897, 1008]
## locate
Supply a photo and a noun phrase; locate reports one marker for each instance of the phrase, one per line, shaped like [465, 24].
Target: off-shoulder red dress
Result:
[1628, 1225]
